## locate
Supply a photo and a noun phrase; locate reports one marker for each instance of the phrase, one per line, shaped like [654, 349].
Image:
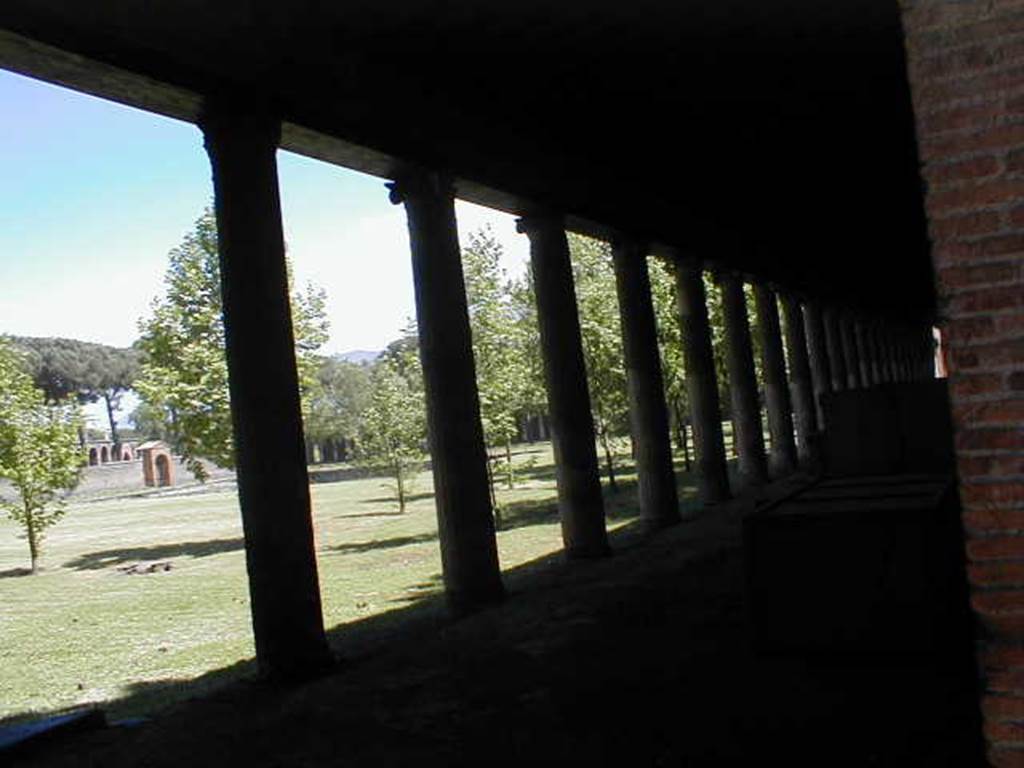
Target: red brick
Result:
[1002, 656]
[993, 521]
[942, 92]
[940, 174]
[965, 33]
[993, 602]
[1002, 626]
[996, 574]
[972, 466]
[1006, 758]
[986, 273]
[966, 385]
[990, 412]
[959, 118]
[967, 80]
[962, 61]
[1004, 732]
[1002, 136]
[988, 494]
[1015, 161]
[1007, 325]
[988, 299]
[969, 60]
[976, 223]
[989, 357]
[957, 15]
[1005, 680]
[1002, 708]
[996, 548]
[990, 438]
[978, 195]
[978, 250]
[963, 331]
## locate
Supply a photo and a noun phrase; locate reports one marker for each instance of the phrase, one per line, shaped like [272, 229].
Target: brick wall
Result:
[966, 63]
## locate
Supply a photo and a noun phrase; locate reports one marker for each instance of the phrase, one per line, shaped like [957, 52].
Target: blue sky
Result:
[94, 194]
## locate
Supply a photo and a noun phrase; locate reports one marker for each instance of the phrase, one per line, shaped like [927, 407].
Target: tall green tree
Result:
[670, 344]
[500, 370]
[602, 342]
[526, 343]
[393, 428]
[184, 375]
[335, 406]
[85, 371]
[39, 451]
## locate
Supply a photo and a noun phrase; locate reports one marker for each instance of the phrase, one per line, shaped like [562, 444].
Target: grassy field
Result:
[140, 591]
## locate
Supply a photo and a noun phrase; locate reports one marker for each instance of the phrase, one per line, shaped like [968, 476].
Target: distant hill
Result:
[359, 356]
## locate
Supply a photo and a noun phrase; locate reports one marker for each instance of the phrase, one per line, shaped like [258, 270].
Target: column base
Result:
[588, 553]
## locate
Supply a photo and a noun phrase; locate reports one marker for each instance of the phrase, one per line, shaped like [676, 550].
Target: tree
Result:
[393, 429]
[670, 344]
[184, 375]
[500, 369]
[602, 342]
[39, 450]
[88, 372]
[336, 404]
[526, 342]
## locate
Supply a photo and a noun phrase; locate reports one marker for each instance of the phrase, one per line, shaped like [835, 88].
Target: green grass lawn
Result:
[85, 630]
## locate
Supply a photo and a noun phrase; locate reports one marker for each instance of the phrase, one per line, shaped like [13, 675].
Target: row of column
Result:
[826, 351]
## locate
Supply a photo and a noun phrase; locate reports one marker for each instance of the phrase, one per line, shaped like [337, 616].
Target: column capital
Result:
[623, 242]
[720, 274]
[532, 223]
[235, 120]
[419, 183]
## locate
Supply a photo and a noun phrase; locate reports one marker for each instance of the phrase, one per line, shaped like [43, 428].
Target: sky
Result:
[94, 194]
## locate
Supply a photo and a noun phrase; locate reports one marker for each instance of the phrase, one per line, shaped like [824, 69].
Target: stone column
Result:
[849, 346]
[656, 482]
[899, 361]
[579, 487]
[871, 344]
[928, 353]
[273, 488]
[800, 379]
[465, 523]
[780, 414]
[701, 382]
[817, 350]
[748, 433]
[834, 344]
[863, 356]
[885, 353]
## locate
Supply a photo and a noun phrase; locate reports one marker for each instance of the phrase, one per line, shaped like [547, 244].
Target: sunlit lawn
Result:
[85, 630]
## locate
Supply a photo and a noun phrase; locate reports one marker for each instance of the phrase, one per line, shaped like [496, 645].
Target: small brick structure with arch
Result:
[157, 463]
[108, 452]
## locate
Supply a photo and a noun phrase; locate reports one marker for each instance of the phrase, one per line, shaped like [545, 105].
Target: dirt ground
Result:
[641, 659]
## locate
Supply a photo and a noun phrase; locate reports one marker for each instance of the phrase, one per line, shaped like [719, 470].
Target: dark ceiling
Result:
[775, 136]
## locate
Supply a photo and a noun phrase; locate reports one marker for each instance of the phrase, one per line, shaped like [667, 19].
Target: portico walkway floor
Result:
[642, 659]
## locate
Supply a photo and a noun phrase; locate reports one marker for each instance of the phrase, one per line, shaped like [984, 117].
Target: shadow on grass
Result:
[420, 613]
[619, 505]
[146, 696]
[108, 558]
[12, 573]
[392, 500]
[356, 547]
[541, 473]
[424, 590]
[396, 513]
